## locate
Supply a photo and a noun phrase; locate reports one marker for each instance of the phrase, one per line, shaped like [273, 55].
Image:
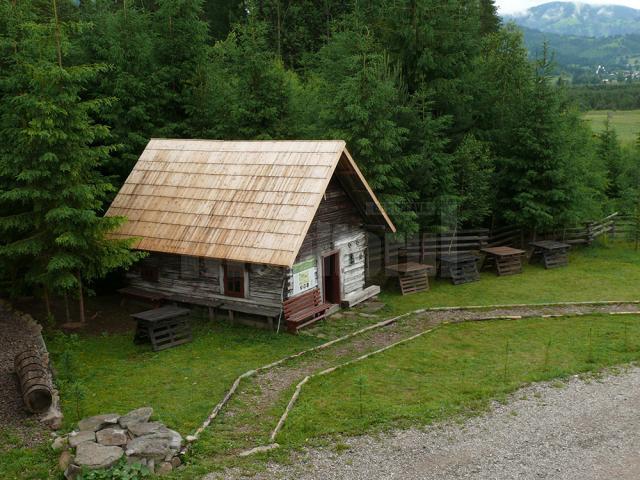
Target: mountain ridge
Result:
[579, 19]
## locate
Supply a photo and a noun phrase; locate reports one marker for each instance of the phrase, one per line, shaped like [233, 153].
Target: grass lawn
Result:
[626, 123]
[181, 384]
[456, 371]
[598, 273]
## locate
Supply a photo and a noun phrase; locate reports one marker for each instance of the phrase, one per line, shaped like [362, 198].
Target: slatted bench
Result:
[271, 313]
[164, 327]
[153, 298]
[460, 268]
[304, 309]
[552, 254]
[413, 277]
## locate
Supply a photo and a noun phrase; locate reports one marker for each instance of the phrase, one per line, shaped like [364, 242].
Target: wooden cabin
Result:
[272, 230]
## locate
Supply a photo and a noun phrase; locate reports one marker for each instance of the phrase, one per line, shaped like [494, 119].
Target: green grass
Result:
[626, 123]
[184, 383]
[456, 371]
[181, 384]
[598, 273]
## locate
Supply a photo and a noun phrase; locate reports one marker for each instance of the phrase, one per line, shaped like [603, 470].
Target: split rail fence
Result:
[428, 247]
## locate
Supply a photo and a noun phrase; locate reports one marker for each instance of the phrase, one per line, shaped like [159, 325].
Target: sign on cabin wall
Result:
[305, 276]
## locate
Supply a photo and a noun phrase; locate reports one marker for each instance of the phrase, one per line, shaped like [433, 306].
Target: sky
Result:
[511, 6]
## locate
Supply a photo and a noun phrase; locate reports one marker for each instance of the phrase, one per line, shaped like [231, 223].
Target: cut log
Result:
[34, 380]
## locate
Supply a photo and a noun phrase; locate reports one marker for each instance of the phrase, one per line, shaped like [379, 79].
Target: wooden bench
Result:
[304, 309]
[271, 313]
[164, 327]
[147, 296]
[413, 277]
[552, 254]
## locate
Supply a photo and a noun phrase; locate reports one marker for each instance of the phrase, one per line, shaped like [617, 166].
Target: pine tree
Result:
[363, 104]
[123, 38]
[261, 88]
[182, 52]
[474, 169]
[610, 153]
[489, 19]
[50, 150]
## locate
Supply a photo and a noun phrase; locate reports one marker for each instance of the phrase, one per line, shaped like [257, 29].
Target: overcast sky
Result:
[511, 6]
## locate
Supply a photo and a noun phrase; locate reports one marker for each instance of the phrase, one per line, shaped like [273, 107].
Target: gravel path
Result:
[15, 336]
[585, 430]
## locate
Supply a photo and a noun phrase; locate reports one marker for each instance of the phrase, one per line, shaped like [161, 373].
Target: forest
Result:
[451, 122]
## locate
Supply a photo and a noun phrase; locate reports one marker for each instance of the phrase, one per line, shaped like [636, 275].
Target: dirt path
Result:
[587, 430]
[265, 395]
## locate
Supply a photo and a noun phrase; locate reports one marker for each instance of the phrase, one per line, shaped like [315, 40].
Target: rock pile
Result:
[101, 441]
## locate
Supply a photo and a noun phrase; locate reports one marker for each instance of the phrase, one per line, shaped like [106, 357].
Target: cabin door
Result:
[331, 278]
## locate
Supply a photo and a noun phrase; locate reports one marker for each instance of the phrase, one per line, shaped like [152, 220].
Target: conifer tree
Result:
[50, 150]
[610, 153]
[182, 53]
[363, 105]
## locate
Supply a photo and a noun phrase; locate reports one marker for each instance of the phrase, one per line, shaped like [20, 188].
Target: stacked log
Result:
[35, 382]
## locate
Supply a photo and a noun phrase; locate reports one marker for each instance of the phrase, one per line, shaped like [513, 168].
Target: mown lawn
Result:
[181, 384]
[456, 371]
[626, 123]
[597, 273]
[184, 383]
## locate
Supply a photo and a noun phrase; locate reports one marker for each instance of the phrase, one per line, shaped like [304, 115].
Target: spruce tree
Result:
[363, 104]
[182, 53]
[50, 150]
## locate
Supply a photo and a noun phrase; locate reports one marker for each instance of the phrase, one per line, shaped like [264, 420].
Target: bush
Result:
[122, 471]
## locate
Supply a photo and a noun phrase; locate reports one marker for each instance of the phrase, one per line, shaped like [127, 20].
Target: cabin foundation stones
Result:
[100, 442]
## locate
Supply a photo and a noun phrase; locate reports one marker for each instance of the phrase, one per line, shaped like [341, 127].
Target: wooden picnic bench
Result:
[506, 260]
[164, 327]
[413, 277]
[271, 313]
[553, 254]
[459, 267]
[304, 309]
[154, 298]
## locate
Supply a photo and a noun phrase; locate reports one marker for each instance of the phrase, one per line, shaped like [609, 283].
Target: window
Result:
[234, 280]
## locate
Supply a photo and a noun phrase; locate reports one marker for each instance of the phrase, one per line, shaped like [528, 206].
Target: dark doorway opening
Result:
[234, 280]
[331, 278]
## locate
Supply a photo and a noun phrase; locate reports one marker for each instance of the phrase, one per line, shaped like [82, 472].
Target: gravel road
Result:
[583, 430]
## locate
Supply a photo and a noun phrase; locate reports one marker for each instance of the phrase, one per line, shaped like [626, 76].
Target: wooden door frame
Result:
[244, 280]
[324, 255]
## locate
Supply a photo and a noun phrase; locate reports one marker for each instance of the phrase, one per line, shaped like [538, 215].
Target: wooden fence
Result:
[427, 247]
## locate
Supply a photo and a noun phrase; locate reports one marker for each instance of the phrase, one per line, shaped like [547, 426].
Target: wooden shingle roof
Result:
[246, 201]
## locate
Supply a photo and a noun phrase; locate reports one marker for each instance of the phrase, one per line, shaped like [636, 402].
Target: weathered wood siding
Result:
[201, 278]
[337, 225]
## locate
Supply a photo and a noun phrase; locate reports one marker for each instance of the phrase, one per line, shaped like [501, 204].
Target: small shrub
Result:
[122, 471]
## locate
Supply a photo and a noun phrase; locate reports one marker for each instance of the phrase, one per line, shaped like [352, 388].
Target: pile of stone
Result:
[101, 441]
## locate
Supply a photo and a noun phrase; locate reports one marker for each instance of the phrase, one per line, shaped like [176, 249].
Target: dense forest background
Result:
[440, 105]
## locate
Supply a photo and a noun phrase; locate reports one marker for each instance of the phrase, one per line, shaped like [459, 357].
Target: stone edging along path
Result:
[504, 310]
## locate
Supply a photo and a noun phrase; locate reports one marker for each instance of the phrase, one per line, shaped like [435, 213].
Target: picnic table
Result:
[413, 277]
[506, 260]
[164, 327]
[459, 267]
[553, 254]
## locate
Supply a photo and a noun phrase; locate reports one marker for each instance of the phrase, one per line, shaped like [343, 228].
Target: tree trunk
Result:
[81, 299]
[66, 307]
[47, 302]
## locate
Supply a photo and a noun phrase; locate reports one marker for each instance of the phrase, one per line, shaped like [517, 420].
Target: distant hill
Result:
[574, 18]
[617, 51]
